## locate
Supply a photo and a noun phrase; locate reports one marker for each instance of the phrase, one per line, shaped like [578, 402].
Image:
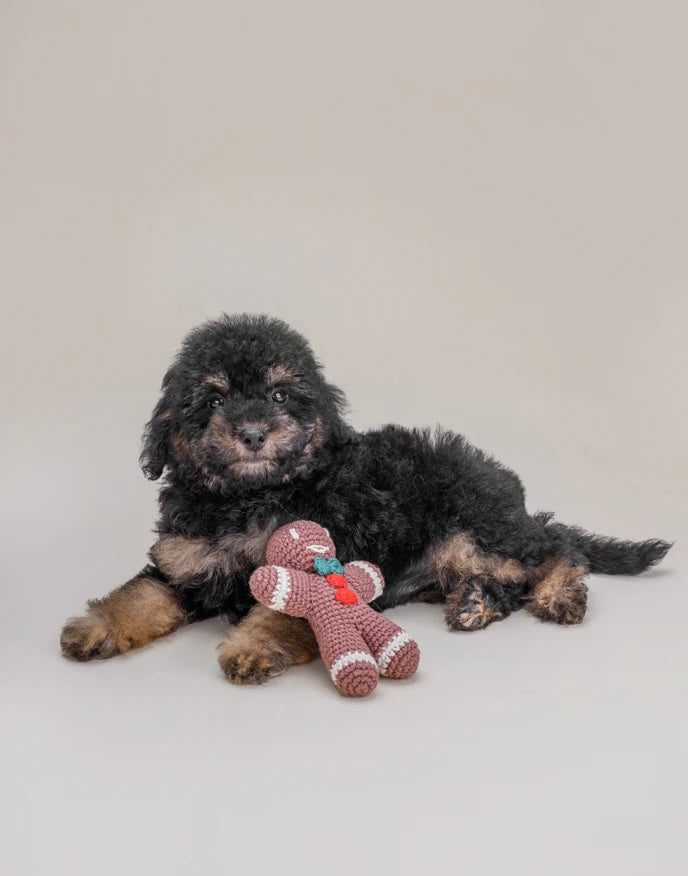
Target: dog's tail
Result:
[610, 556]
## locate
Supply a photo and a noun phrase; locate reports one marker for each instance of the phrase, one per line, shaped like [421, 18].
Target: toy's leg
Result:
[396, 653]
[353, 670]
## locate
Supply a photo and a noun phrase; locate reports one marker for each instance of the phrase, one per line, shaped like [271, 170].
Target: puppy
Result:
[251, 436]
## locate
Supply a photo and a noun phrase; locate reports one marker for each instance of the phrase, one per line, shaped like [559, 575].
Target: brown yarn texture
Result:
[356, 643]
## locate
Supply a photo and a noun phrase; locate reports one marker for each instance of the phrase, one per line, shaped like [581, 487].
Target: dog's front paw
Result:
[88, 638]
[245, 666]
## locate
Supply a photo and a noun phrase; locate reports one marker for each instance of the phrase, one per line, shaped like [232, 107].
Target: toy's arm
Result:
[285, 590]
[365, 578]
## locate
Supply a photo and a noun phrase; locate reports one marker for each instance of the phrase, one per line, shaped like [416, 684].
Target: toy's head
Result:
[296, 545]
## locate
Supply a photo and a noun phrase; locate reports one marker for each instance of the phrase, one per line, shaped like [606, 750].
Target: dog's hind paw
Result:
[471, 608]
[561, 596]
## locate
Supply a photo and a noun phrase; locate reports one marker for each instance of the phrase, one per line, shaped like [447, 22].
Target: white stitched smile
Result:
[318, 548]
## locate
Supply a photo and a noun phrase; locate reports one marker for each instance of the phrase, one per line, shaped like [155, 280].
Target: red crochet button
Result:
[348, 597]
[336, 580]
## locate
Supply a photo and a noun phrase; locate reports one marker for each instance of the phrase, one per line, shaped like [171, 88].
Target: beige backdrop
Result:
[477, 214]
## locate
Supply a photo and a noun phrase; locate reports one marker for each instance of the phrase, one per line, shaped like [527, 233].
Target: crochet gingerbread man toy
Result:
[306, 580]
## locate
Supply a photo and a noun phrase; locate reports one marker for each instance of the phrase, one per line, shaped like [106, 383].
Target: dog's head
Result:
[244, 404]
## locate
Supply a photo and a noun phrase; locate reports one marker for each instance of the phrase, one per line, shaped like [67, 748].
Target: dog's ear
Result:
[156, 435]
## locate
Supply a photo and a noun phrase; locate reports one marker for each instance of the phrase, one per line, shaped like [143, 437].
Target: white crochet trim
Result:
[377, 580]
[282, 590]
[391, 648]
[349, 658]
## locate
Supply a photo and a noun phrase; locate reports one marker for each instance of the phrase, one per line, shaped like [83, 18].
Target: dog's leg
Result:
[264, 644]
[479, 588]
[559, 593]
[134, 614]
[474, 603]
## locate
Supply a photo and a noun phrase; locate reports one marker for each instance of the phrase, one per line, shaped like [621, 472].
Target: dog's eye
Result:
[215, 402]
[280, 396]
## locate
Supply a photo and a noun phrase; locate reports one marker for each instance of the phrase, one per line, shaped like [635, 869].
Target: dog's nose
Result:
[253, 438]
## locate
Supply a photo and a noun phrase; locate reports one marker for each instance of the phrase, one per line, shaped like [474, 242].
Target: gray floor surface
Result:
[526, 747]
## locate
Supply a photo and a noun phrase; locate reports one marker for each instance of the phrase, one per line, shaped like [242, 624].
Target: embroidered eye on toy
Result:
[305, 579]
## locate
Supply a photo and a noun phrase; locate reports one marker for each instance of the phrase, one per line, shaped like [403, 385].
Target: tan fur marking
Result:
[217, 381]
[179, 557]
[467, 609]
[318, 438]
[283, 431]
[87, 638]
[264, 644]
[131, 616]
[474, 617]
[458, 556]
[181, 447]
[284, 437]
[559, 593]
[192, 453]
[280, 374]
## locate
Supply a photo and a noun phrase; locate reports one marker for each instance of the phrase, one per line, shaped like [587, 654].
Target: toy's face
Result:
[296, 545]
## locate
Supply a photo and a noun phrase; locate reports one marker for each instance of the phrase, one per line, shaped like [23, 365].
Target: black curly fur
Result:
[384, 495]
[610, 556]
[391, 495]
